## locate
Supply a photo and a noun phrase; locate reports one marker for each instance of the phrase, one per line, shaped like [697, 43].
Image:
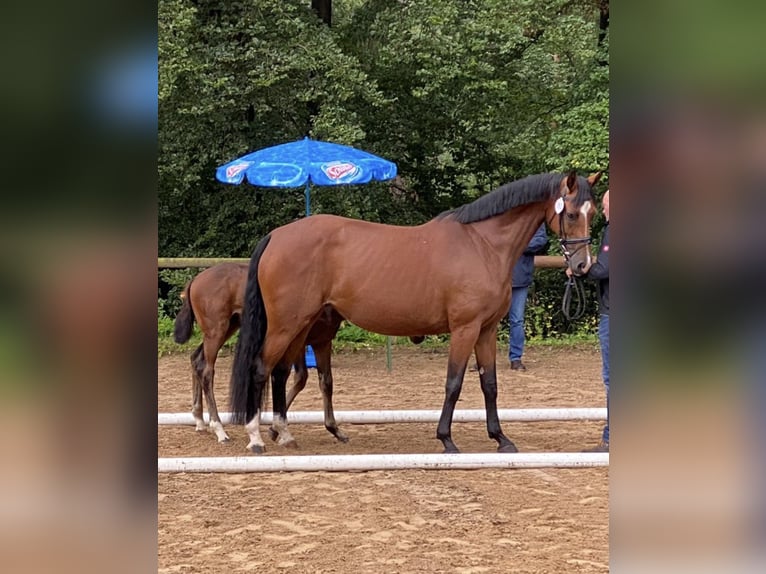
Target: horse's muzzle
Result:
[581, 268]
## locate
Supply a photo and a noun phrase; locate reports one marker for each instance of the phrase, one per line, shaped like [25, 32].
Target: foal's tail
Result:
[245, 398]
[182, 329]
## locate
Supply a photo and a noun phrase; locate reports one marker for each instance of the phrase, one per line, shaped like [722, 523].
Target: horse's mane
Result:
[530, 189]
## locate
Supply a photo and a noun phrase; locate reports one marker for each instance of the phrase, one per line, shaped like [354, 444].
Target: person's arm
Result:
[600, 269]
[538, 243]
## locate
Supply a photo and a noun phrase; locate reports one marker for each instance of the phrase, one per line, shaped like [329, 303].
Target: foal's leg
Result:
[211, 348]
[198, 365]
[323, 354]
[486, 348]
[462, 342]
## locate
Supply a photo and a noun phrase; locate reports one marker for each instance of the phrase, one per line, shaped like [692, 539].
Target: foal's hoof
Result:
[256, 449]
[224, 440]
[510, 447]
[273, 435]
[341, 437]
[451, 450]
[291, 444]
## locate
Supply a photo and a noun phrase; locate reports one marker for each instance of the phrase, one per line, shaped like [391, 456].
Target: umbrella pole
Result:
[307, 194]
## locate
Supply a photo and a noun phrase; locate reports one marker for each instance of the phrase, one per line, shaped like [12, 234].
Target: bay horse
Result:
[215, 302]
[450, 274]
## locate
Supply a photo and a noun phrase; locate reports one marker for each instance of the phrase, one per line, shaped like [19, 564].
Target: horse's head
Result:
[569, 215]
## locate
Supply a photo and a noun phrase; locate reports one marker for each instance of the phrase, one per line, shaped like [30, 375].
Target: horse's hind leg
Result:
[211, 347]
[486, 348]
[198, 365]
[279, 352]
[258, 378]
[279, 431]
[299, 383]
[323, 353]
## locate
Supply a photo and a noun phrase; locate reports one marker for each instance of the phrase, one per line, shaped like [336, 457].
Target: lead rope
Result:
[574, 287]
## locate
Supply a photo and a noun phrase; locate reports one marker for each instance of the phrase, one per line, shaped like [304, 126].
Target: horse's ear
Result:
[594, 177]
[572, 180]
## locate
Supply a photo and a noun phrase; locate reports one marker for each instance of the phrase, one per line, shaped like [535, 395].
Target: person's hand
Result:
[568, 271]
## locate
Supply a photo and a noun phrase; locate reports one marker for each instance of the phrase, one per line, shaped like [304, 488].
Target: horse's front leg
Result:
[462, 341]
[299, 380]
[486, 349]
[323, 353]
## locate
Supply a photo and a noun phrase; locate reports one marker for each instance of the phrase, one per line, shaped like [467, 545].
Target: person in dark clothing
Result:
[599, 272]
[520, 282]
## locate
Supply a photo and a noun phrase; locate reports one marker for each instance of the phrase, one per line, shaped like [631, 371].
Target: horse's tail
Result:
[182, 328]
[244, 398]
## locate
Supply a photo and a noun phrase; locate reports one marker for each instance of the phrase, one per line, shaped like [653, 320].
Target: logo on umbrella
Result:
[235, 169]
[340, 169]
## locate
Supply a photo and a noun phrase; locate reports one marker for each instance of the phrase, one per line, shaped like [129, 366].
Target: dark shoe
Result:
[600, 447]
[517, 366]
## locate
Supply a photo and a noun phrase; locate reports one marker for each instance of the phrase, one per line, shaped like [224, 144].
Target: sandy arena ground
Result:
[537, 520]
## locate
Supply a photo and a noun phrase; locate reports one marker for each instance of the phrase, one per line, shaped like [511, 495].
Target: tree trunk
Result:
[323, 9]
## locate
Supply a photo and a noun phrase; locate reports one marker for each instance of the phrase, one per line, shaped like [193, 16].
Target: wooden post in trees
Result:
[603, 21]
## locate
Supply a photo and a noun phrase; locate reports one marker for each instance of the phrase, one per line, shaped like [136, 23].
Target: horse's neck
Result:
[509, 233]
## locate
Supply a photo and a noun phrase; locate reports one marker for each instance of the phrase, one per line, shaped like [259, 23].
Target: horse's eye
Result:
[571, 216]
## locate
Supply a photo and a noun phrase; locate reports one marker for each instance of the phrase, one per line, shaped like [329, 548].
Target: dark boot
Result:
[517, 366]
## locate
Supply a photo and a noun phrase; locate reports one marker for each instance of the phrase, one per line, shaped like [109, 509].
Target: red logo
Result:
[339, 170]
[233, 170]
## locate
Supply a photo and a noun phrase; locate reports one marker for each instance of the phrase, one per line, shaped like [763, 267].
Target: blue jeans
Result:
[516, 320]
[603, 338]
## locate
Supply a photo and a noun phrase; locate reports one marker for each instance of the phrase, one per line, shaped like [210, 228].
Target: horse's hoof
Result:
[507, 448]
[291, 444]
[452, 450]
[273, 435]
[224, 440]
[256, 449]
[337, 433]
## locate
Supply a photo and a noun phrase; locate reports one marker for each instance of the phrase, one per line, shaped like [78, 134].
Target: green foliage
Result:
[545, 320]
[349, 335]
[170, 286]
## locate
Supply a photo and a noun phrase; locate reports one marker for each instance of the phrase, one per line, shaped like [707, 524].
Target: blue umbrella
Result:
[306, 161]
[303, 162]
